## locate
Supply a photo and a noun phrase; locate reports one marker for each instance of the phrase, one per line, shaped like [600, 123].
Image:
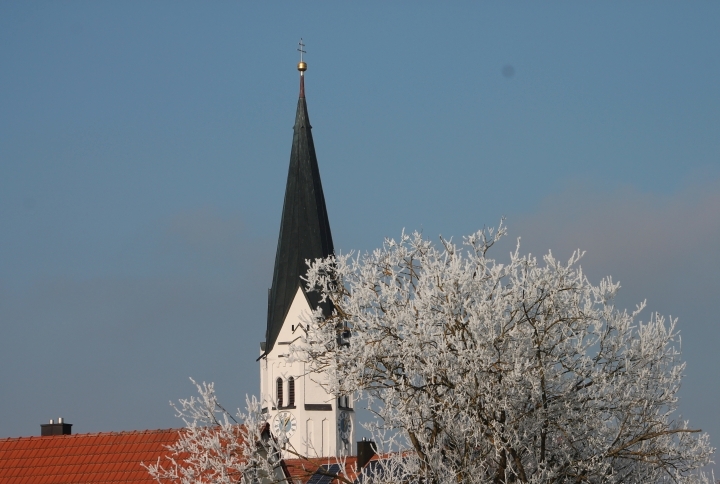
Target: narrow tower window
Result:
[279, 392]
[291, 392]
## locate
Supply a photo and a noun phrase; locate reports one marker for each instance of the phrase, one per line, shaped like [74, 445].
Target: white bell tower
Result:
[316, 423]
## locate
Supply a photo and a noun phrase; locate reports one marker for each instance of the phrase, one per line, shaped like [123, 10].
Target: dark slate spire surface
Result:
[304, 229]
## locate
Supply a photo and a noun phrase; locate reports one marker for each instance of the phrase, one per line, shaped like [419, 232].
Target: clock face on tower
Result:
[284, 424]
[344, 426]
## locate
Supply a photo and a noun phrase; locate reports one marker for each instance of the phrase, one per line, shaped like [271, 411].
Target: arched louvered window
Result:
[279, 392]
[291, 392]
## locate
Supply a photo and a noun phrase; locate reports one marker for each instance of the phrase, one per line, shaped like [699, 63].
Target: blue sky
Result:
[144, 149]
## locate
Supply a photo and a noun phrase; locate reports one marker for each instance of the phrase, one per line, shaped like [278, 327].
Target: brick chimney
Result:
[365, 452]
[59, 428]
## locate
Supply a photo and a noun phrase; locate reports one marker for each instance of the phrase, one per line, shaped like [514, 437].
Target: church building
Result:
[317, 424]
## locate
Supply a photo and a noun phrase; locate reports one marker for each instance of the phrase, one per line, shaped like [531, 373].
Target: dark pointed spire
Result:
[304, 229]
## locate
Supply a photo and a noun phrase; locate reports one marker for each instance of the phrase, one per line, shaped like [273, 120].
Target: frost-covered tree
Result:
[484, 372]
[477, 371]
[217, 448]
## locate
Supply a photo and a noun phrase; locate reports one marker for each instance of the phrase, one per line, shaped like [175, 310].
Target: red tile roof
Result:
[83, 458]
[301, 470]
[113, 457]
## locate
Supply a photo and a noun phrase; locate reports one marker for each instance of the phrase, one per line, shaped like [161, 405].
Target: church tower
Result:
[316, 423]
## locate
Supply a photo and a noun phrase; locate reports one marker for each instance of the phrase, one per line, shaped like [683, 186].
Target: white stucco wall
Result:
[316, 432]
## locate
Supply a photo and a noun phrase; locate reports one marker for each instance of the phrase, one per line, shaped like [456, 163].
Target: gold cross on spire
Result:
[301, 49]
[302, 66]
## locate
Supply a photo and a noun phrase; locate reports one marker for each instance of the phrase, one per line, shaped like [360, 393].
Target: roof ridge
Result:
[99, 434]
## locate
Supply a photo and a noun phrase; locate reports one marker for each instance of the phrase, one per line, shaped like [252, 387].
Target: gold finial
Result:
[302, 66]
